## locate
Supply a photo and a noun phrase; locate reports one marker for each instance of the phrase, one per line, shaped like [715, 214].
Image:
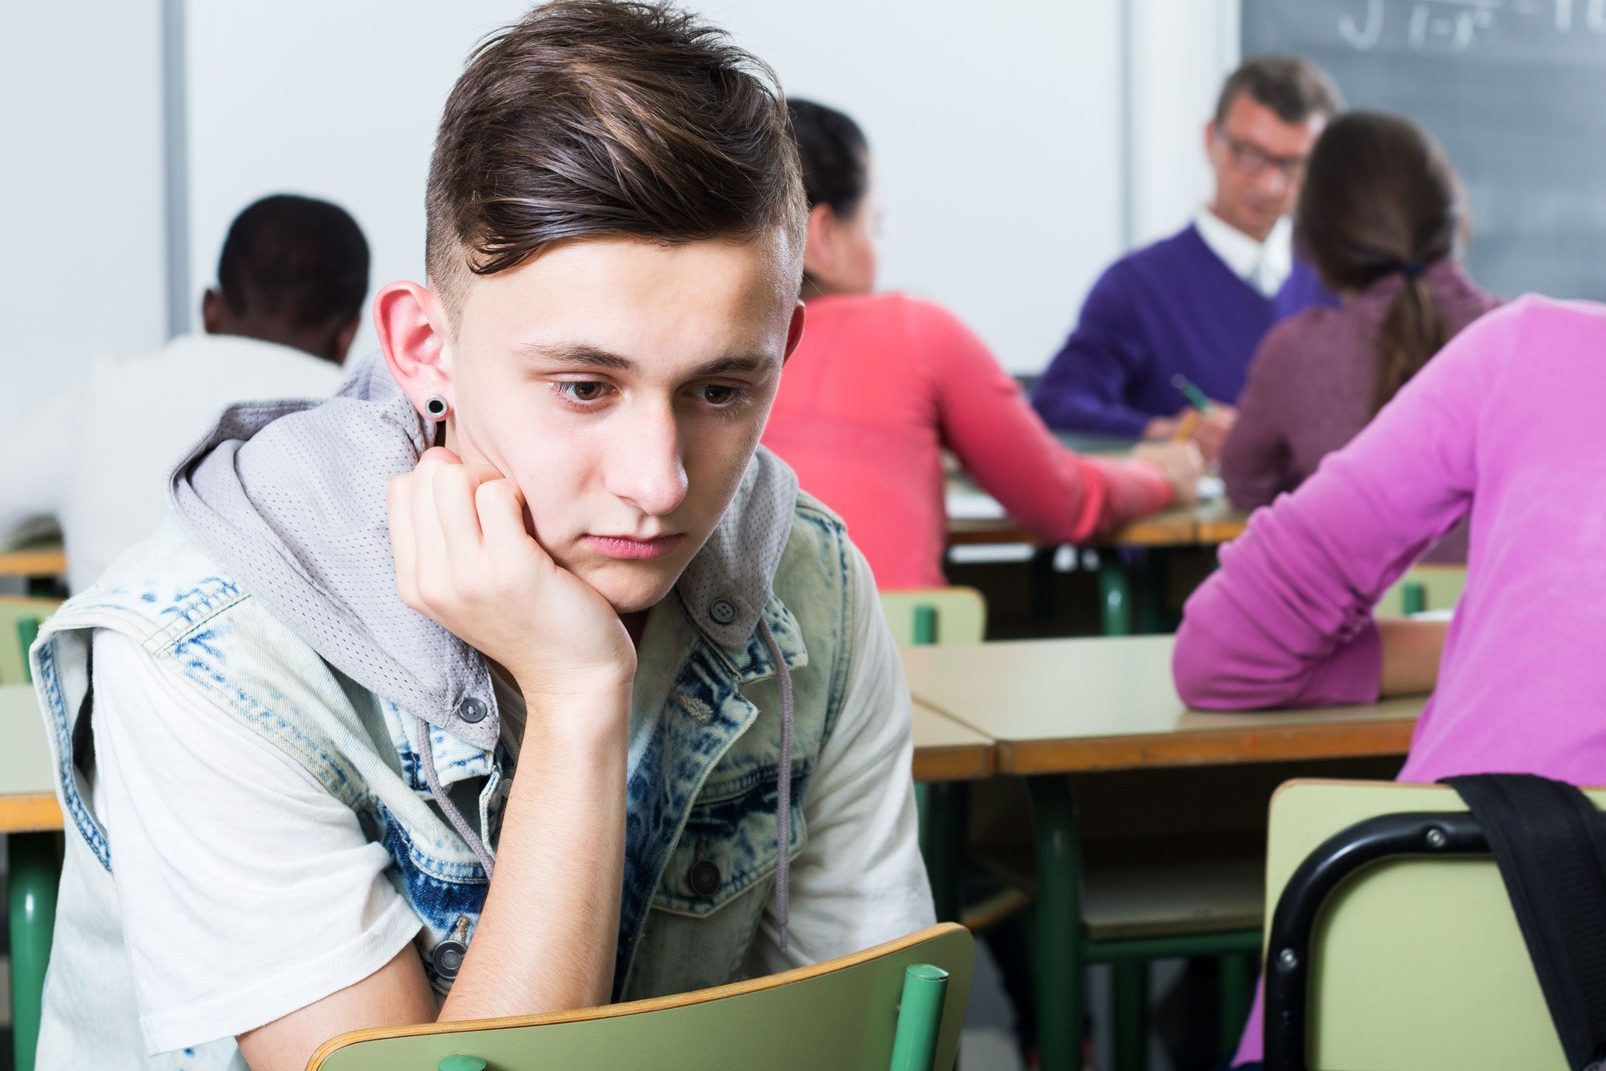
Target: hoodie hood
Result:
[289, 497]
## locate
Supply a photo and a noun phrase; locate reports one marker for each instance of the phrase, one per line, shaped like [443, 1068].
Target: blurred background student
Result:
[882, 382]
[290, 286]
[1197, 303]
[1383, 218]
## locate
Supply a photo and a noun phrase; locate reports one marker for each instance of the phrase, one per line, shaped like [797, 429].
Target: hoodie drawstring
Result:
[783, 783]
[448, 808]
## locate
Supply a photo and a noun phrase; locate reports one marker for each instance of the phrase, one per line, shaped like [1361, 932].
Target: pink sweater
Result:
[1503, 425]
[882, 382]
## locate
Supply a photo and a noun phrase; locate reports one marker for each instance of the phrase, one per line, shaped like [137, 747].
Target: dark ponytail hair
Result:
[1380, 197]
[834, 155]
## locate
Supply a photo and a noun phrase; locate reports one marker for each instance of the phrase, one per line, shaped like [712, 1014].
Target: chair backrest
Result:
[935, 615]
[1416, 961]
[1424, 587]
[842, 1014]
[20, 619]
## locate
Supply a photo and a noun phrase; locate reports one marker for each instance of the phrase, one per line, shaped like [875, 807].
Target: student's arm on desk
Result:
[32, 482]
[1084, 386]
[1287, 619]
[985, 421]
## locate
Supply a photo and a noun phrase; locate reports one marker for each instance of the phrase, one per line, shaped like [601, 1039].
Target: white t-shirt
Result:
[248, 891]
[98, 455]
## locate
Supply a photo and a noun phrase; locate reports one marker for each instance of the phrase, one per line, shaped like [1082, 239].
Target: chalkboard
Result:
[1515, 90]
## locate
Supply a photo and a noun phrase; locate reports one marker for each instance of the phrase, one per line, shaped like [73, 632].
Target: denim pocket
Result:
[729, 842]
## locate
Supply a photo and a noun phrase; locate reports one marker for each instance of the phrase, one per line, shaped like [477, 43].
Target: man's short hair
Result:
[591, 118]
[294, 260]
[1292, 86]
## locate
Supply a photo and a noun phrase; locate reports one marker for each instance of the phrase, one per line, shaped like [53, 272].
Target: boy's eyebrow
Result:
[582, 354]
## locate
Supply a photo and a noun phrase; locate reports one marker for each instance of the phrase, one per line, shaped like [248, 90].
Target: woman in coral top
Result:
[882, 382]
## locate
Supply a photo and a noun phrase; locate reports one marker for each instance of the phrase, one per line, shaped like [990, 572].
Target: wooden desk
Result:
[1071, 706]
[33, 563]
[1057, 707]
[948, 750]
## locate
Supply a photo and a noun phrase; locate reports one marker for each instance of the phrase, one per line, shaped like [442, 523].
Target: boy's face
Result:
[622, 385]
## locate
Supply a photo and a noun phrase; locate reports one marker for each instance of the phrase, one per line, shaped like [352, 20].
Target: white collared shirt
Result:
[1263, 265]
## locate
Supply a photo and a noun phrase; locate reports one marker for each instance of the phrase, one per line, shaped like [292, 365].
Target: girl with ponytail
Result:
[1383, 219]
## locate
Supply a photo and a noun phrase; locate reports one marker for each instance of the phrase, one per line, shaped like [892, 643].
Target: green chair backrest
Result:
[20, 619]
[935, 615]
[1417, 962]
[1425, 587]
[842, 1014]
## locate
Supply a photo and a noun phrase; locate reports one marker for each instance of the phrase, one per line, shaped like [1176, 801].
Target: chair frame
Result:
[1323, 871]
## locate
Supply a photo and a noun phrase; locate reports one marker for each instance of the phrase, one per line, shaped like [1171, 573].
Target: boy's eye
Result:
[582, 391]
[719, 394]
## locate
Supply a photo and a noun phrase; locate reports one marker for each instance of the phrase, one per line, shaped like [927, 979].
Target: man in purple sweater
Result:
[1197, 303]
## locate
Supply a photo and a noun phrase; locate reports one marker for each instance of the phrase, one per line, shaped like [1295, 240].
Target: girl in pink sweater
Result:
[1502, 428]
[882, 382]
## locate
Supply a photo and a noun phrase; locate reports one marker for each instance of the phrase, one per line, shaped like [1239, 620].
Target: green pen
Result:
[1196, 397]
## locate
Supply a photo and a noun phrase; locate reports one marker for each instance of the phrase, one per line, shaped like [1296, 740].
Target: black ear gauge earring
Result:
[435, 408]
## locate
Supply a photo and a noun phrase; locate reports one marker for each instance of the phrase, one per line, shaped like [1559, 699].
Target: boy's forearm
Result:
[547, 936]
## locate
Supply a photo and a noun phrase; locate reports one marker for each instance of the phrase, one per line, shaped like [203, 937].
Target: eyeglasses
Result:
[1252, 159]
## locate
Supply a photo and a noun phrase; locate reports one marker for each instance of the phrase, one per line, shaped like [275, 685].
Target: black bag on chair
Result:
[1549, 842]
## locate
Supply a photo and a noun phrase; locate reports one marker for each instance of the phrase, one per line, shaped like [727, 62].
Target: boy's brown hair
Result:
[592, 118]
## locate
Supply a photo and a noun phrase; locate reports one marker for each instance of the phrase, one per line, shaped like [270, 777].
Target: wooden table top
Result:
[27, 791]
[1067, 706]
[948, 750]
[945, 750]
[31, 562]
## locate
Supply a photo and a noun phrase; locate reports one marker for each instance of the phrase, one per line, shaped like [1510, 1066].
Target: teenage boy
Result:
[375, 733]
[1199, 302]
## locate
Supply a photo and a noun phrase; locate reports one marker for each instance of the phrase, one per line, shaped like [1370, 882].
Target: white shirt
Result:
[1263, 265]
[98, 455]
[248, 891]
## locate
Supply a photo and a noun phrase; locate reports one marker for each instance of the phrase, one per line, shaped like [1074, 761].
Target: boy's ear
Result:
[794, 332]
[412, 328]
[211, 311]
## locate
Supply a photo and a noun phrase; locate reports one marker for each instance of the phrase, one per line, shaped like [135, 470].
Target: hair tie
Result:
[1411, 269]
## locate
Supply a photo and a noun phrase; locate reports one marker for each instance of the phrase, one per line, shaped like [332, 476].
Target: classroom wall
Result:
[1010, 169]
[82, 268]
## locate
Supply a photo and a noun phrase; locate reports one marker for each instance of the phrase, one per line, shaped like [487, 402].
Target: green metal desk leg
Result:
[943, 844]
[1059, 924]
[34, 873]
[1115, 595]
[1237, 990]
[1130, 985]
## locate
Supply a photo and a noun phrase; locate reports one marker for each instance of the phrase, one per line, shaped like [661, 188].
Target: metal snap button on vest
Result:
[448, 958]
[722, 611]
[704, 877]
[472, 710]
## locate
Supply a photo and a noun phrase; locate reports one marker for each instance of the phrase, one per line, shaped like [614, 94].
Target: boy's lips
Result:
[633, 549]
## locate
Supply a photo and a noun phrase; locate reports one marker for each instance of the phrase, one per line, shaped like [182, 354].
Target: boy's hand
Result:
[465, 560]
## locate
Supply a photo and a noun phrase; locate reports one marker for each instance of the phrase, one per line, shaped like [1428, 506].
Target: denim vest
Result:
[701, 849]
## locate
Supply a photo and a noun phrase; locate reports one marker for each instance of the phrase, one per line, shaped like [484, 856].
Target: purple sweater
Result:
[1502, 426]
[1310, 389]
[1171, 307]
